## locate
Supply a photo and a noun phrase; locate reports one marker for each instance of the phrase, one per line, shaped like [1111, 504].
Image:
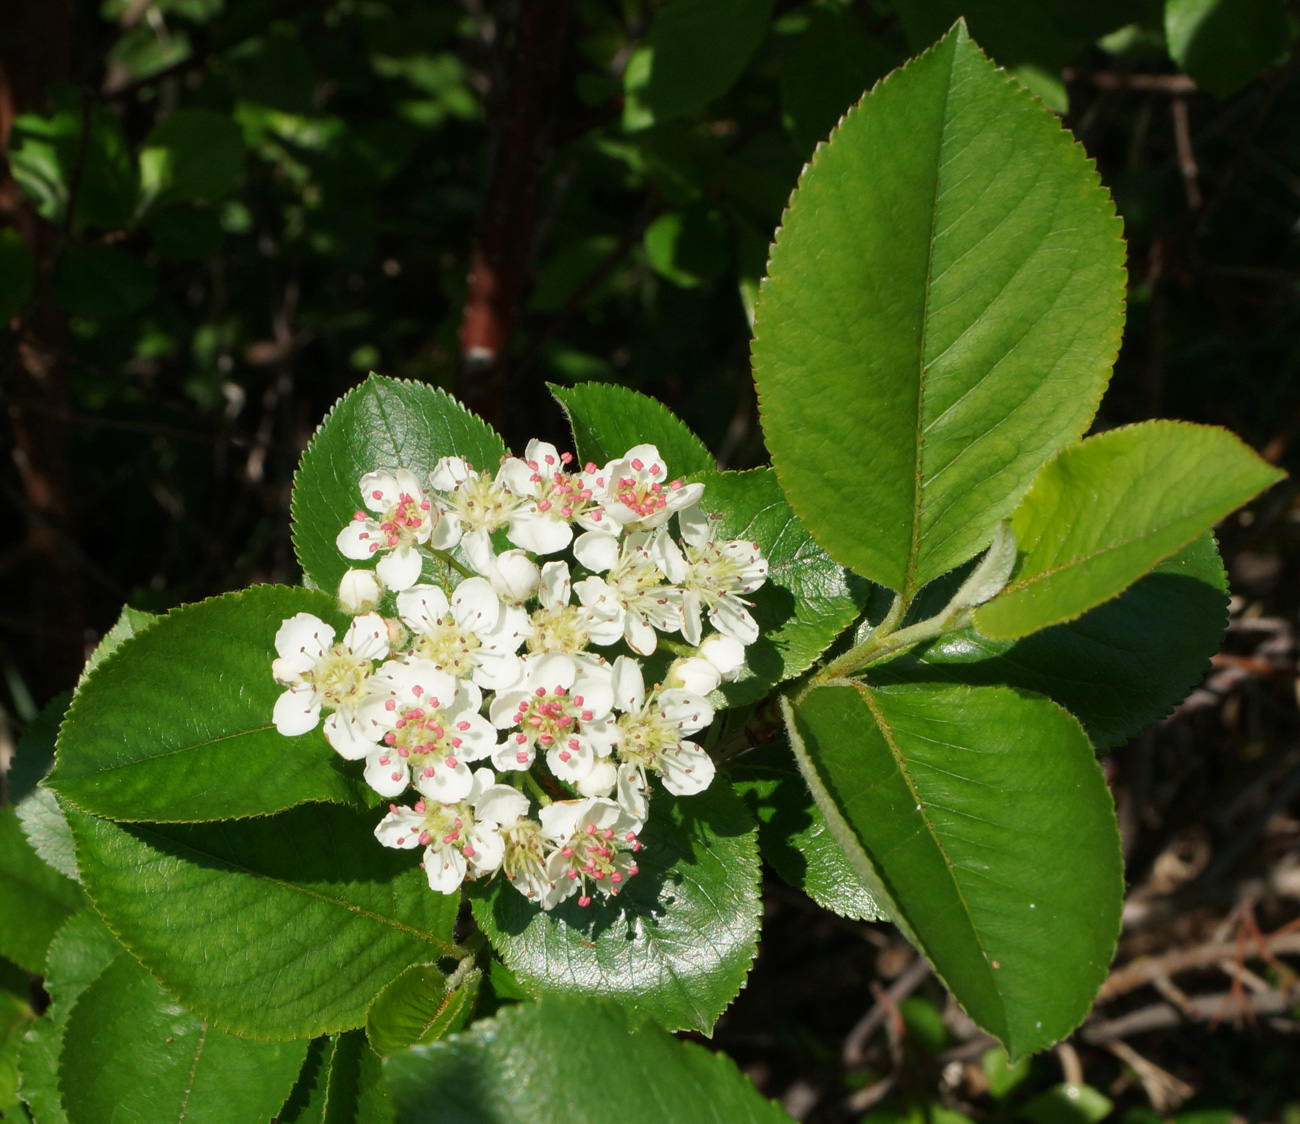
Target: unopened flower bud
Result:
[360, 591]
[514, 576]
[600, 781]
[724, 652]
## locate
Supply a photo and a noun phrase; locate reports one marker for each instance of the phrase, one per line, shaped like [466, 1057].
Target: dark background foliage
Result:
[217, 215]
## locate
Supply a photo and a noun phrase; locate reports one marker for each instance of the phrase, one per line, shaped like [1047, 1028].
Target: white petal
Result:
[669, 558]
[553, 593]
[347, 737]
[421, 606]
[496, 671]
[447, 785]
[501, 804]
[570, 760]
[694, 525]
[514, 576]
[448, 472]
[686, 770]
[387, 779]
[600, 781]
[475, 605]
[640, 636]
[367, 637]
[400, 828]
[477, 546]
[378, 491]
[296, 712]
[597, 550]
[631, 793]
[445, 867]
[730, 616]
[359, 591]
[685, 711]
[542, 532]
[726, 653]
[489, 850]
[695, 674]
[359, 539]
[446, 533]
[302, 640]
[629, 684]
[401, 568]
[691, 629]
[506, 756]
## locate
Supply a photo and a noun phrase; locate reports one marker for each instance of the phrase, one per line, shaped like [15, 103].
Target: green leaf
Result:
[183, 232]
[129, 622]
[281, 927]
[17, 275]
[1224, 44]
[102, 283]
[1067, 1104]
[177, 724]
[980, 819]
[676, 945]
[382, 424]
[35, 899]
[694, 53]
[609, 420]
[342, 1082]
[688, 248]
[807, 599]
[15, 1018]
[1118, 668]
[34, 752]
[421, 1005]
[830, 64]
[192, 155]
[130, 1052]
[942, 306]
[793, 835]
[81, 949]
[45, 827]
[519, 1069]
[1108, 509]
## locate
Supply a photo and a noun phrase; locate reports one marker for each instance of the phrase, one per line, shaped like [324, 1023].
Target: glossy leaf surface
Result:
[675, 945]
[35, 899]
[942, 306]
[1118, 668]
[421, 1005]
[609, 420]
[130, 1051]
[177, 724]
[517, 1069]
[342, 1082]
[279, 927]
[382, 424]
[1108, 509]
[985, 819]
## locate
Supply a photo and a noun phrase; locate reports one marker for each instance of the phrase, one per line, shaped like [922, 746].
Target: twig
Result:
[1186, 156]
[1108, 80]
[1148, 970]
[1162, 1016]
[886, 1004]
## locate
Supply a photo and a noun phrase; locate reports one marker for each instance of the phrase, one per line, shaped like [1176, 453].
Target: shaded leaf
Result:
[1224, 44]
[518, 1068]
[942, 306]
[279, 927]
[342, 1082]
[102, 283]
[675, 945]
[609, 420]
[17, 275]
[192, 155]
[421, 1005]
[35, 899]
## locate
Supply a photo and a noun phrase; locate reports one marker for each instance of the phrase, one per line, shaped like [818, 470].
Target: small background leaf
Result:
[694, 53]
[676, 945]
[1224, 44]
[943, 303]
[1108, 509]
[278, 927]
[192, 154]
[421, 1005]
[35, 899]
[517, 1069]
[609, 420]
[177, 724]
[382, 424]
[131, 1052]
[987, 820]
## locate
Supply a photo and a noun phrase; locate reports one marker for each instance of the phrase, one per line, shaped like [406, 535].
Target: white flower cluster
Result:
[506, 670]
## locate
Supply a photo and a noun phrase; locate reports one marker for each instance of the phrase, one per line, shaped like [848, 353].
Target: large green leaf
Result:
[942, 306]
[807, 599]
[35, 899]
[676, 945]
[609, 420]
[15, 1018]
[279, 927]
[130, 1052]
[1108, 509]
[382, 424]
[1223, 44]
[793, 835]
[342, 1082]
[519, 1068]
[695, 51]
[81, 949]
[421, 1005]
[981, 820]
[1118, 668]
[176, 724]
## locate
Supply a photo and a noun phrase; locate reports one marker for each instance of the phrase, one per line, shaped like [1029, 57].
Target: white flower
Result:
[595, 842]
[524, 863]
[458, 839]
[715, 576]
[472, 505]
[553, 499]
[428, 726]
[471, 636]
[514, 576]
[322, 675]
[405, 518]
[561, 706]
[557, 626]
[651, 729]
[637, 492]
[633, 587]
[360, 591]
